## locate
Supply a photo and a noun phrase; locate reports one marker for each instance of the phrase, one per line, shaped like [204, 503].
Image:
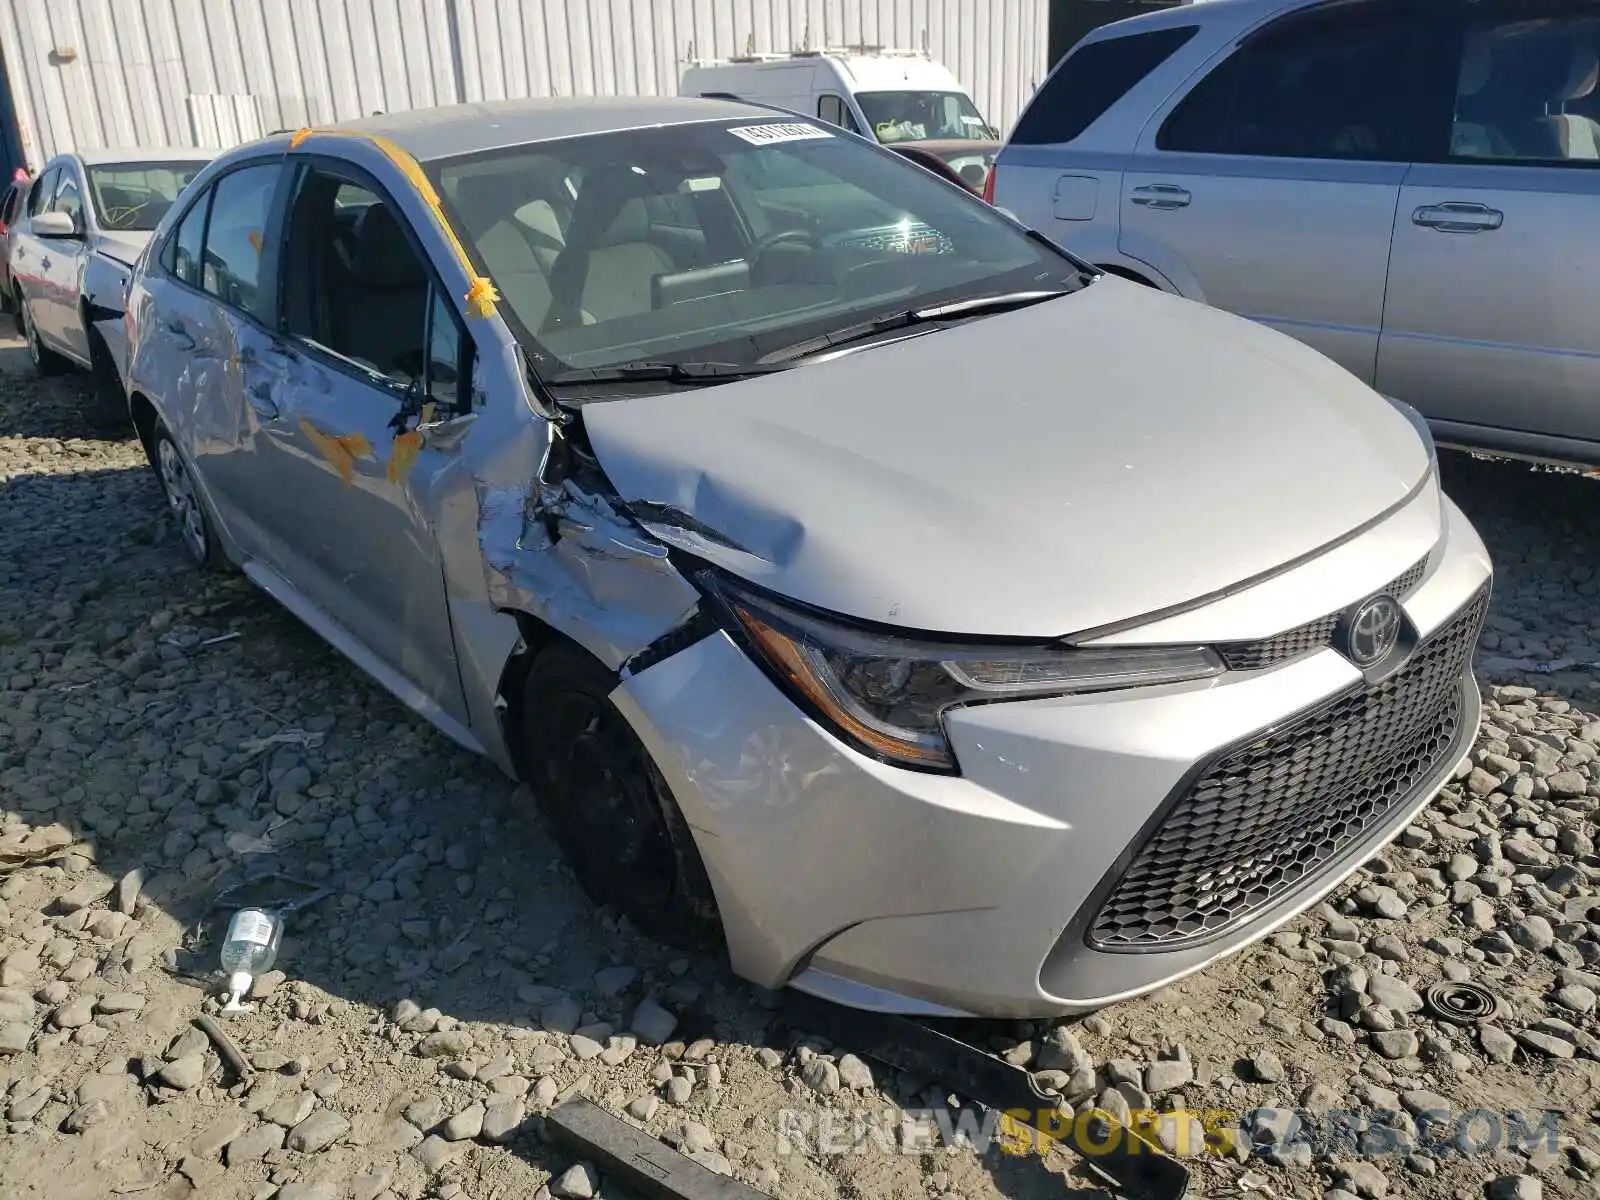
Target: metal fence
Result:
[88, 73]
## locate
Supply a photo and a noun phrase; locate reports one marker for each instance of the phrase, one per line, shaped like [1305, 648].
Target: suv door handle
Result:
[1161, 196]
[180, 334]
[1458, 216]
[44, 263]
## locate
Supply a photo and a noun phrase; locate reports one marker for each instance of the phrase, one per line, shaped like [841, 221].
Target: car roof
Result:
[434, 133]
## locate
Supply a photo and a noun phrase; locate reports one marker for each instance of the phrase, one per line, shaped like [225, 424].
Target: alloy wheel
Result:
[182, 498]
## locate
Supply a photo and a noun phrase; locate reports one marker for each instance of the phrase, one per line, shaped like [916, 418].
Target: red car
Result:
[10, 207]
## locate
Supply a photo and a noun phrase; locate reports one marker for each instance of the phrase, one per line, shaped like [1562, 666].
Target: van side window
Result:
[1090, 80]
[184, 249]
[834, 111]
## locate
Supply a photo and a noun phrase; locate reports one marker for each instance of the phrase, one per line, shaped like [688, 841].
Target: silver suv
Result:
[1408, 186]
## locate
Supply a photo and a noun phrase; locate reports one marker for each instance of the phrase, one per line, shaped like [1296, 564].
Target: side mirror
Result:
[53, 225]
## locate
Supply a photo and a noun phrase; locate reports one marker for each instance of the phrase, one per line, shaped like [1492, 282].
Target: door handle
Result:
[1161, 196]
[44, 263]
[180, 334]
[1458, 216]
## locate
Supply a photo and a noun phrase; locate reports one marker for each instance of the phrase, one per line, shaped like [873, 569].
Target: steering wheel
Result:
[779, 237]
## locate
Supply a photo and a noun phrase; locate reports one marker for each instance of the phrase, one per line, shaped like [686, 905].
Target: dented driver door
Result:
[346, 483]
[343, 479]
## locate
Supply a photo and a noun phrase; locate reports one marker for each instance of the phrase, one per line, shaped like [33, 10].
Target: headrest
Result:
[1582, 73]
[632, 225]
[383, 257]
[1476, 66]
[483, 200]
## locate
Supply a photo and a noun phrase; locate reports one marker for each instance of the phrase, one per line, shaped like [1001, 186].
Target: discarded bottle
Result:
[250, 948]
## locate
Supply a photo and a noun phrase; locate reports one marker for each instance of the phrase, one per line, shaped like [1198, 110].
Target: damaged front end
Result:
[565, 549]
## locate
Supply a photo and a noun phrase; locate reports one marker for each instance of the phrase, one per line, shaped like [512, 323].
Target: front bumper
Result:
[978, 894]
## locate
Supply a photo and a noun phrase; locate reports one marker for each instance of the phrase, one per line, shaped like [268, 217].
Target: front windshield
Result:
[922, 116]
[722, 241]
[133, 197]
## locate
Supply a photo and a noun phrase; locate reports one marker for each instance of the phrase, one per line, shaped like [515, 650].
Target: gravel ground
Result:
[166, 733]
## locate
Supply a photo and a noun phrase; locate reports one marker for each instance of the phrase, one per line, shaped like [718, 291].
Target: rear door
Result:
[1270, 187]
[1061, 172]
[61, 271]
[26, 253]
[209, 304]
[1495, 280]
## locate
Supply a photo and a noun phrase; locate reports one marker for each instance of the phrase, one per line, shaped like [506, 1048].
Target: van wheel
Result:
[183, 499]
[608, 806]
[45, 360]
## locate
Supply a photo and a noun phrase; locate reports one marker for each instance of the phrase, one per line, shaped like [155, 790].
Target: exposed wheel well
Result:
[534, 637]
[143, 414]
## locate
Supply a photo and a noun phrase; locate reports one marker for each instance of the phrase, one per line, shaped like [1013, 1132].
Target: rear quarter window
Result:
[1090, 80]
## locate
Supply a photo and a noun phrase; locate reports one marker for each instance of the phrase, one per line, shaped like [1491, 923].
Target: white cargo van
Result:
[890, 95]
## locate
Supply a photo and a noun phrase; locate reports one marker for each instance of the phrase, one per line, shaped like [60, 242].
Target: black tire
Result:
[183, 501]
[45, 360]
[111, 402]
[609, 807]
[16, 309]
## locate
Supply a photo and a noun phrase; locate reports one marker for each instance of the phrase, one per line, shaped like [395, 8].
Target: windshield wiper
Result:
[669, 372]
[971, 307]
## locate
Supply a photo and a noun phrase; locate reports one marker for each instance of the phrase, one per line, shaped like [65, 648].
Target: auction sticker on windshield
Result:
[767, 135]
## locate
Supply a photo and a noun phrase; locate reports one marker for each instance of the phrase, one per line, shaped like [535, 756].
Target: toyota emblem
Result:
[1372, 630]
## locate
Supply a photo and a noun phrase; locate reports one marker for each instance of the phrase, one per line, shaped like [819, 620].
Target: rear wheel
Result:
[608, 806]
[183, 500]
[45, 360]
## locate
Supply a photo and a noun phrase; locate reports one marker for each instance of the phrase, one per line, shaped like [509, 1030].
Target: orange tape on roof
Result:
[481, 294]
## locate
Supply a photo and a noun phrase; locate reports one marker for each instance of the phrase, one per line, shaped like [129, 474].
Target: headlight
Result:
[886, 694]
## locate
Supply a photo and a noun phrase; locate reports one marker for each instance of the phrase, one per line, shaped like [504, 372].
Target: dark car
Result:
[10, 209]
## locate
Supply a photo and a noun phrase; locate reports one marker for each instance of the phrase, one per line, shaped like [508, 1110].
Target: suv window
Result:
[355, 287]
[232, 262]
[1331, 86]
[1090, 80]
[43, 189]
[1526, 92]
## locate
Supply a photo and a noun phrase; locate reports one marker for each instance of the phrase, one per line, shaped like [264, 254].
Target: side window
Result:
[354, 285]
[1315, 88]
[183, 250]
[834, 111]
[449, 363]
[68, 199]
[1090, 80]
[1526, 92]
[231, 266]
[43, 189]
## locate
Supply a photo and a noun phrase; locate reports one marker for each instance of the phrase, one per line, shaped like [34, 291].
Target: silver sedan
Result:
[861, 583]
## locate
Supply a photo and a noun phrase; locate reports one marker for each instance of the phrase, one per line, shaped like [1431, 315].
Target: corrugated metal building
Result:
[217, 72]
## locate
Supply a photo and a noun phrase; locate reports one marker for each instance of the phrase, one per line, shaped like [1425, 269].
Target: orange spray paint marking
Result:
[341, 450]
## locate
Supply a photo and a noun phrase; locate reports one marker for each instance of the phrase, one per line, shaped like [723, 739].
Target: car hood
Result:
[1088, 460]
[125, 245]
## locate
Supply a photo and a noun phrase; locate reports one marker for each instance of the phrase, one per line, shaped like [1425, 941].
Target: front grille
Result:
[1302, 639]
[1268, 814]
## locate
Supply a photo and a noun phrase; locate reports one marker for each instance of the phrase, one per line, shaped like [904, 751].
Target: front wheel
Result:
[608, 805]
[183, 499]
[45, 360]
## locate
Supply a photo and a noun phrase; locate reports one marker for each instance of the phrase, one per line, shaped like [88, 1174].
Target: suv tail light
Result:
[988, 186]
